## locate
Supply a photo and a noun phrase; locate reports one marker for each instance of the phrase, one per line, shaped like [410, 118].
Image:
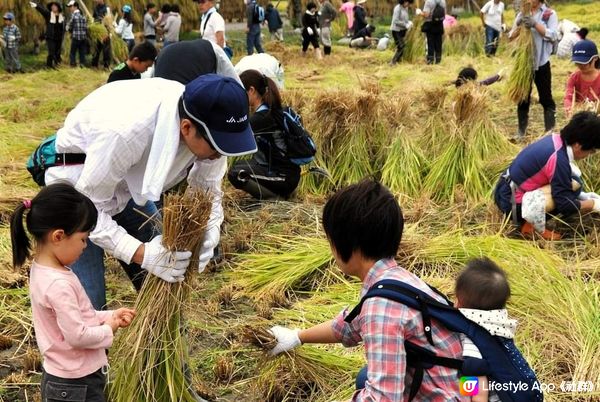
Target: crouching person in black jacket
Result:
[269, 173]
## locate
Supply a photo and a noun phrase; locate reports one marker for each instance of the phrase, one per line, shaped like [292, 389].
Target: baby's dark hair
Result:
[57, 206]
[482, 285]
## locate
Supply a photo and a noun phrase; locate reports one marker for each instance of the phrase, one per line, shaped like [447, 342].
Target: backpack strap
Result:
[402, 293]
[417, 357]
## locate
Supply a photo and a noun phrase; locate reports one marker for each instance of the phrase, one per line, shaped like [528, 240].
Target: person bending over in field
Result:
[70, 333]
[363, 223]
[544, 177]
[270, 173]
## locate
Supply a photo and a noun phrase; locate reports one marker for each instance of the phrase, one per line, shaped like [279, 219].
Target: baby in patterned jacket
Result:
[482, 291]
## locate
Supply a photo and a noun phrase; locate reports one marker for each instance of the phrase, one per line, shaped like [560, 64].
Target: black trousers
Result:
[253, 178]
[543, 82]
[104, 48]
[400, 44]
[309, 39]
[434, 47]
[54, 57]
[85, 389]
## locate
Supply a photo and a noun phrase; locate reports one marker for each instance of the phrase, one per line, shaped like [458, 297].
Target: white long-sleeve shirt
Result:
[125, 29]
[115, 126]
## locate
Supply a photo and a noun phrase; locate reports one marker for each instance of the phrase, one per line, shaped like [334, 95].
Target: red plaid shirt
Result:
[382, 326]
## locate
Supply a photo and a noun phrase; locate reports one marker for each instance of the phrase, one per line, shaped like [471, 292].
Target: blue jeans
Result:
[361, 378]
[78, 46]
[253, 39]
[89, 268]
[491, 40]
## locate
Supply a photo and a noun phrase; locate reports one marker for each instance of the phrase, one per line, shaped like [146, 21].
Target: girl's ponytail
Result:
[56, 206]
[18, 237]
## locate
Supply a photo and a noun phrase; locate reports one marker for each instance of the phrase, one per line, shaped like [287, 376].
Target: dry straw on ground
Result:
[151, 355]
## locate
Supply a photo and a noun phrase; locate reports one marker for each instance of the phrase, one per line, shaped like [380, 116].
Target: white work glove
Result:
[596, 207]
[418, 11]
[309, 30]
[502, 73]
[503, 27]
[528, 21]
[207, 249]
[318, 31]
[588, 196]
[168, 266]
[32, 4]
[287, 339]
[409, 25]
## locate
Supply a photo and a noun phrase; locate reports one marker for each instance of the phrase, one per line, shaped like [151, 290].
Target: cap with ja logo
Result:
[220, 104]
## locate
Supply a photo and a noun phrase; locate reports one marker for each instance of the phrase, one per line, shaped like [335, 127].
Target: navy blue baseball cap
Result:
[584, 51]
[220, 105]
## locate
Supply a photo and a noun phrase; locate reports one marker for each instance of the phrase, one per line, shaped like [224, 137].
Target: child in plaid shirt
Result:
[363, 224]
[12, 37]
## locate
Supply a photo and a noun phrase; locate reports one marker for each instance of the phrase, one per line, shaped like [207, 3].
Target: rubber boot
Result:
[257, 191]
[318, 54]
[327, 50]
[523, 117]
[396, 58]
[549, 119]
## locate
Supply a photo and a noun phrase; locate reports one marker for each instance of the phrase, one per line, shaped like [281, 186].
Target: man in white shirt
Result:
[492, 17]
[140, 138]
[212, 25]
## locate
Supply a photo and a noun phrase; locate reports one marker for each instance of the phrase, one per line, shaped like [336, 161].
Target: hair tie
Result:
[27, 204]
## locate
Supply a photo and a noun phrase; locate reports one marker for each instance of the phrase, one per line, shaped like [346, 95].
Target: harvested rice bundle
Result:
[414, 49]
[434, 98]
[282, 264]
[150, 356]
[259, 336]
[472, 144]
[320, 306]
[353, 159]
[305, 374]
[521, 77]
[405, 166]
[463, 39]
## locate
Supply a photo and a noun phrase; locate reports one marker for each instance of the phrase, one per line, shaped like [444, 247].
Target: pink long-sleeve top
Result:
[582, 89]
[70, 334]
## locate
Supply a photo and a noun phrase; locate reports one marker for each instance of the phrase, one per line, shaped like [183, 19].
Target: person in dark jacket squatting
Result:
[544, 177]
[270, 173]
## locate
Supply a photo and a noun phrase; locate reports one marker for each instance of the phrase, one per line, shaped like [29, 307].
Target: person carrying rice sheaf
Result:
[543, 23]
[363, 224]
[544, 177]
[123, 159]
[401, 24]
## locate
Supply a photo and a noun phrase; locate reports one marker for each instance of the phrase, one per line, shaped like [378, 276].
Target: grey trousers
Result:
[11, 61]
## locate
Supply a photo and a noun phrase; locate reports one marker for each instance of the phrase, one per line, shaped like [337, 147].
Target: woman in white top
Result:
[125, 27]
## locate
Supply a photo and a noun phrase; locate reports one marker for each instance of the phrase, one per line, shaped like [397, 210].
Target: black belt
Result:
[69, 159]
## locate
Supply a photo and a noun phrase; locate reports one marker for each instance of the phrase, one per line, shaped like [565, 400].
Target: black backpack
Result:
[301, 148]
[438, 14]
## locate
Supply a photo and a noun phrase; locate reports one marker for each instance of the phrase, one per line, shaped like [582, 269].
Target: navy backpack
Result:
[502, 362]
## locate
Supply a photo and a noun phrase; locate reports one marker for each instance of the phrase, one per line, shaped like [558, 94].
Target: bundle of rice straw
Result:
[521, 77]
[149, 357]
[473, 142]
[414, 48]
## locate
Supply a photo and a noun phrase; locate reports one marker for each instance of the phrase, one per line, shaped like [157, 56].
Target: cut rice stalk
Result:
[150, 356]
